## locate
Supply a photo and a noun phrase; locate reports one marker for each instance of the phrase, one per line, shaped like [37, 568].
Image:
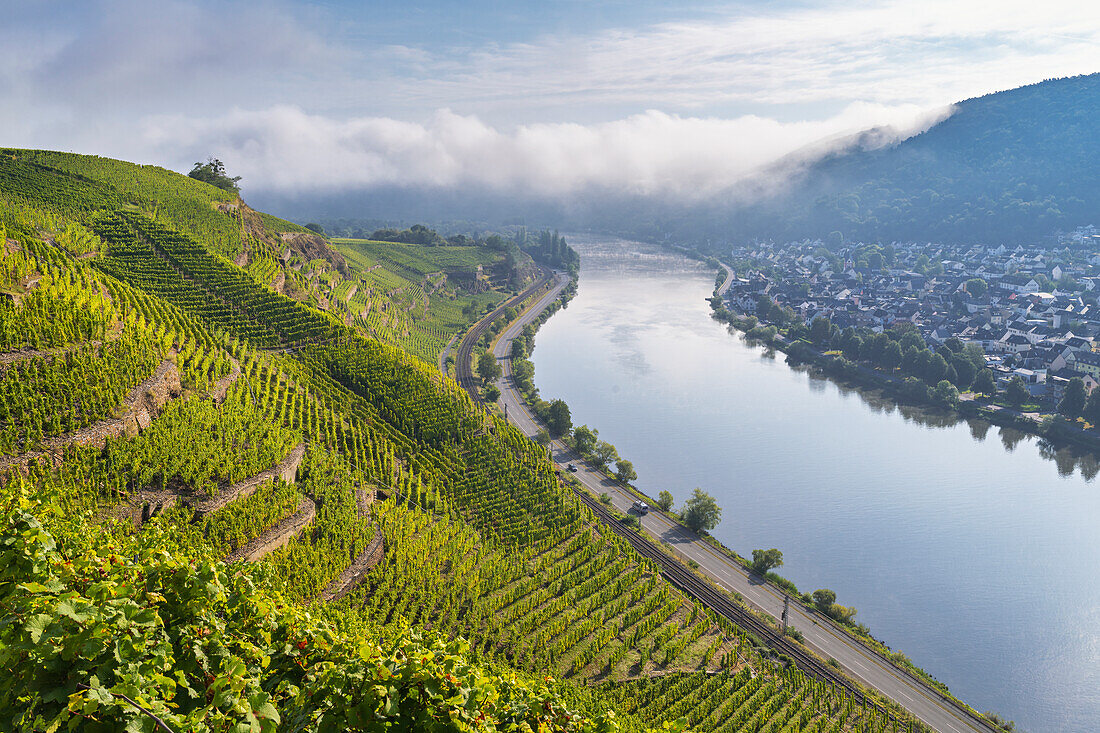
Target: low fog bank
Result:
[653, 177]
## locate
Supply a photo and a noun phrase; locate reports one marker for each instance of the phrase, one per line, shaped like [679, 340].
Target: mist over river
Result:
[971, 548]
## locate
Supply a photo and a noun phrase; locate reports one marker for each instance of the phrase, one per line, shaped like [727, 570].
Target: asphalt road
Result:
[728, 281]
[819, 633]
[446, 352]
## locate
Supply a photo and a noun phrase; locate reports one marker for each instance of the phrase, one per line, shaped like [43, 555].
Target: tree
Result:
[492, 393]
[946, 393]
[316, 228]
[1073, 399]
[604, 454]
[977, 287]
[213, 172]
[624, 471]
[558, 419]
[1092, 408]
[542, 437]
[488, 367]
[964, 370]
[891, 356]
[935, 369]
[701, 511]
[1016, 391]
[584, 438]
[664, 501]
[984, 383]
[824, 598]
[765, 560]
[820, 330]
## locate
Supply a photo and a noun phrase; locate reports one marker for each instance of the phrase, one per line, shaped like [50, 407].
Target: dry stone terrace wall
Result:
[221, 387]
[278, 535]
[147, 504]
[366, 559]
[286, 469]
[140, 406]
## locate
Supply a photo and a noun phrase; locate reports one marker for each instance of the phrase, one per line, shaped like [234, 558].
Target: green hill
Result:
[204, 529]
[1008, 167]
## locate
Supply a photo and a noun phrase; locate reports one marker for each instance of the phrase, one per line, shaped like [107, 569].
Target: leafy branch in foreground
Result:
[106, 642]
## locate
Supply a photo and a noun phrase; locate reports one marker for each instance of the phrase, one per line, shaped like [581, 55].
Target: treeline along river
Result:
[973, 549]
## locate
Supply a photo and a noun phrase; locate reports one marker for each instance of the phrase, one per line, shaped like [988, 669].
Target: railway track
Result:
[463, 371]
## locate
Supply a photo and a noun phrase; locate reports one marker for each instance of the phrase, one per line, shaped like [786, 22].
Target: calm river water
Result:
[968, 547]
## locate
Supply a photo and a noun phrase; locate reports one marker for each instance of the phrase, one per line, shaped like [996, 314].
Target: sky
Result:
[545, 98]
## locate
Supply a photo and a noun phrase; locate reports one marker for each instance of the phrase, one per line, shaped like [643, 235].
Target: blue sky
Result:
[549, 97]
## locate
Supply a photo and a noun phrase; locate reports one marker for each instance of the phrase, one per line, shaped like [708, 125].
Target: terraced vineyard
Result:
[344, 462]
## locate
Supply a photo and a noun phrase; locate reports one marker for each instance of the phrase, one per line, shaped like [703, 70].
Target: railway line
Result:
[464, 373]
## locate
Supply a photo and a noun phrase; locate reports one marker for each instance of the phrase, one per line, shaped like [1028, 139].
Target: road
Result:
[819, 633]
[727, 282]
[446, 353]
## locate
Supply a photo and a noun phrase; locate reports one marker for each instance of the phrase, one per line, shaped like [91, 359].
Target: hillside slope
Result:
[163, 412]
[1011, 166]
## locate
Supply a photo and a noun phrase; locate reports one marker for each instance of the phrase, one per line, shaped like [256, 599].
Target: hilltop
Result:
[1012, 167]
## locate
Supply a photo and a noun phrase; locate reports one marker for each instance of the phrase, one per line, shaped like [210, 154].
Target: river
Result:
[970, 548]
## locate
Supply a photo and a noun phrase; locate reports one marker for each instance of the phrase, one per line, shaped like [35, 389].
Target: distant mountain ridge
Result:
[1012, 166]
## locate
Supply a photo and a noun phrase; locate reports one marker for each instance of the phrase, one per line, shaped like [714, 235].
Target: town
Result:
[1032, 310]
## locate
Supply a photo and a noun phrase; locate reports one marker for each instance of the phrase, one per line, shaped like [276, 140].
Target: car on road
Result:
[572, 468]
[640, 506]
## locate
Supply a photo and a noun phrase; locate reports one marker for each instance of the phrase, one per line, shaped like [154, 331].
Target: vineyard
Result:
[505, 576]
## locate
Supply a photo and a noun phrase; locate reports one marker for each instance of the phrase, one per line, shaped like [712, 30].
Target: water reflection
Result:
[979, 429]
[1068, 458]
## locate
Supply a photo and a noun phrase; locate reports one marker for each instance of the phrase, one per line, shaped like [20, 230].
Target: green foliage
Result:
[488, 368]
[1073, 398]
[604, 454]
[49, 395]
[234, 526]
[665, 500]
[213, 172]
[558, 419]
[584, 439]
[946, 393]
[765, 560]
[824, 598]
[1016, 391]
[225, 444]
[204, 648]
[624, 471]
[984, 383]
[701, 512]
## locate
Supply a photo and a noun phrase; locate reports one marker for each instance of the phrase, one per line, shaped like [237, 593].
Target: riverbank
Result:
[1058, 431]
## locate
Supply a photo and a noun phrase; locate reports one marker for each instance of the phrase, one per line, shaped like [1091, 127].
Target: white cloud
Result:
[653, 153]
[293, 98]
[892, 52]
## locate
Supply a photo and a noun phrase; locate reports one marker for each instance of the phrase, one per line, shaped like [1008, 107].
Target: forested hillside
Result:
[1007, 167]
[226, 509]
